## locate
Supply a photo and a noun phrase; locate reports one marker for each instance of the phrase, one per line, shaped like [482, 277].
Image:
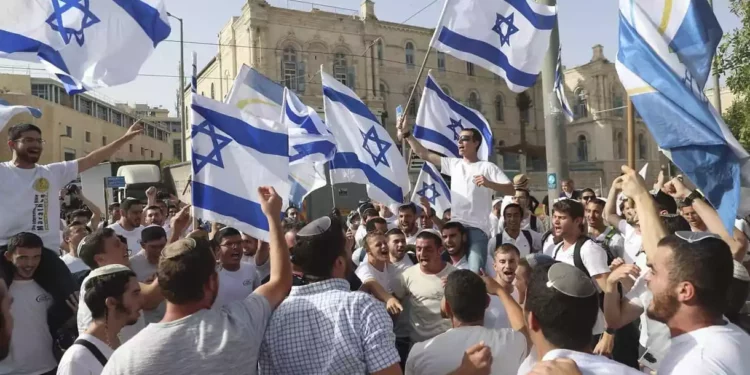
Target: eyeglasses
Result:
[464, 138]
[693, 237]
[29, 140]
[588, 197]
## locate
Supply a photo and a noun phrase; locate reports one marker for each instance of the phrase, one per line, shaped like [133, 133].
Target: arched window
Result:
[212, 90]
[340, 69]
[474, 101]
[582, 148]
[620, 143]
[617, 105]
[441, 61]
[289, 68]
[380, 52]
[409, 49]
[499, 110]
[642, 147]
[580, 106]
[414, 106]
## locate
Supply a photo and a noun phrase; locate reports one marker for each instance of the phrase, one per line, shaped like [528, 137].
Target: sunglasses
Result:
[588, 197]
[464, 138]
[693, 237]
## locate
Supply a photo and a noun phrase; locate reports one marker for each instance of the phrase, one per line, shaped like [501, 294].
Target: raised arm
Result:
[652, 228]
[103, 153]
[277, 287]
[619, 311]
[610, 208]
[514, 311]
[96, 213]
[404, 132]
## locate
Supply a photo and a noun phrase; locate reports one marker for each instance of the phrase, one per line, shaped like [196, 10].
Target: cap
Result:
[740, 272]
[693, 237]
[430, 231]
[496, 201]
[316, 227]
[570, 281]
[105, 270]
[538, 259]
[521, 181]
[185, 245]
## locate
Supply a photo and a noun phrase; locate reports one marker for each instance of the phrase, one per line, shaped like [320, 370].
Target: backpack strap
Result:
[545, 236]
[362, 255]
[527, 234]
[93, 349]
[577, 260]
[532, 224]
[412, 256]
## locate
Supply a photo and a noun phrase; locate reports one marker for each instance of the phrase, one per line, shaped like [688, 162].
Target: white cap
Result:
[105, 270]
[740, 272]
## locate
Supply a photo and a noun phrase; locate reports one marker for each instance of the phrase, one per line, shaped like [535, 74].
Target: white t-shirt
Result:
[616, 242]
[471, 204]
[75, 264]
[367, 272]
[133, 236]
[443, 353]
[424, 293]
[594, 258]
[655, 336]
[707, 351]
[78, 360]
[523, 245]
[495, 316]
[400, 265]
[30, 343]
[236, 285]
[30, 200]
[633, 241]
[541, 227]
[84, 318]
[145, 272]
[590, 364]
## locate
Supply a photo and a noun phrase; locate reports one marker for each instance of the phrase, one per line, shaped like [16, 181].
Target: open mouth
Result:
[235, 256]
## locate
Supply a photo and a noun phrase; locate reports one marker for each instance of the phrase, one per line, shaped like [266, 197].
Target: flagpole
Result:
[194, 91]
[631, 134]
[330, 181]
[411, 96]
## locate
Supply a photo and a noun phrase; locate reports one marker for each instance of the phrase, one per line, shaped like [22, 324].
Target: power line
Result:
[419, 11]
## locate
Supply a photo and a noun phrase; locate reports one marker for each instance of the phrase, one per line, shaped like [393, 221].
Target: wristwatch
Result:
[610, 331]
[693, 196]
[406, 135]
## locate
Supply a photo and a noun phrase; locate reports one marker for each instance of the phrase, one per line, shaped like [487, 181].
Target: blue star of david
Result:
[55, 20]
[429, 187]
[456, 128]
[510, 30]
[688, 80]
[382, 147]
[218, 141]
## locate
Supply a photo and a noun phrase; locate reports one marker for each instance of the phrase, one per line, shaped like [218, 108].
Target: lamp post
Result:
[182, 89]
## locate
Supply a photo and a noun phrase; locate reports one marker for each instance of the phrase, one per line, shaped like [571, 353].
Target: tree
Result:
[168, 162]
[733, 61]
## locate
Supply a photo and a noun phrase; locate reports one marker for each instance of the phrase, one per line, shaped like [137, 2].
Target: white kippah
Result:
[740, 272]
[105, 270]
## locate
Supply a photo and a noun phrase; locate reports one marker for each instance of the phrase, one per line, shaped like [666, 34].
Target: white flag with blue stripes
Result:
[507, 37]
[666, 49]
[560, 89]
[311, 145]
[8, 111]
[86, 43]
[233, 153]
[441, 119]
[431, 186]
[365, 154]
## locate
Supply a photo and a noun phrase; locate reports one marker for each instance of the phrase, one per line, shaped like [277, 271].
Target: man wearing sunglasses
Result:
[473, 182]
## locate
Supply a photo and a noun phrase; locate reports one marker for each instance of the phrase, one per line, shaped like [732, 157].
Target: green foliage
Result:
[733, 62]
[737, 118]
[168, 162]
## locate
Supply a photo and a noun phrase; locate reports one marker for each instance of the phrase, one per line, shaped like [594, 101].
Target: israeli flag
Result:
[87, 44]
[441, 119]
[431, 185]
[8, 111]
[365, 153]
[560, 89]
[666, 49]
[311, 145]
[507, 37]
[233, 154]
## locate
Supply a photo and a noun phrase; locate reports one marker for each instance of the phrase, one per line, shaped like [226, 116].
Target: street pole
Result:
[183, 120]
[554, 126]
[717, 83]
[631, 134]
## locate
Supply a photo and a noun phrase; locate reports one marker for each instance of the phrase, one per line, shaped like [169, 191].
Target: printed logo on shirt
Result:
[41, 185]
[43, 298]
[39, 216]
[247, 282]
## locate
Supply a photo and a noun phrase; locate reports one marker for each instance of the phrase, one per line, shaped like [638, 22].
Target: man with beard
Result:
[153, 215]
[218, 341]
[526, 241]
[630, 227]
[376, 273]
[236, 279]
[114, 297]
[114, 216]
[506, 259]
[72, 236]
[249, 248]
[398, 254]
[129, 225]
[454, 241]
[407, 222]
[29, 191]
[606, 236]
[422, 285]
[146, 262]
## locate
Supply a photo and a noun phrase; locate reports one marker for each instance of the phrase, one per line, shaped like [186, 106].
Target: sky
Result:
[583, 24]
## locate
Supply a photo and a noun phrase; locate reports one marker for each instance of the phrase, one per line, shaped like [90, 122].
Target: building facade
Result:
[73, 126]
[161, 118]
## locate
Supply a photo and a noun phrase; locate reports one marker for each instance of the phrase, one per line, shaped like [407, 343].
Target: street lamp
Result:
[183, 120]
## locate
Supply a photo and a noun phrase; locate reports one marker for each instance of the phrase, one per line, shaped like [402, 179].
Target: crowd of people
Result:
[642, 280]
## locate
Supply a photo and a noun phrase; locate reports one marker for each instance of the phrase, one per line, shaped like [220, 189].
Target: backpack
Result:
[526, 233]
[532, 223]
[577, 260]
[607, 239]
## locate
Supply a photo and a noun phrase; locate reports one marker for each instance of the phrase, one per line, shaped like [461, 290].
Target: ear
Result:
[110, 302]
[532, 323]
[98, 258]
[9, 255]
[445, 309]
[685, 291]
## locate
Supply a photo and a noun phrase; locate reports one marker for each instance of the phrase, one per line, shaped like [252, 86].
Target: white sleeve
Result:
[536, 241]
[357, 254]
[446, 165]
[489, 270]
[624, 227]
[63, 172]
[364, 274]
[497, 176]
[594, 258]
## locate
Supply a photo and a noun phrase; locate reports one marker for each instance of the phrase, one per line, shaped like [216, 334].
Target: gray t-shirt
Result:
[215, 341]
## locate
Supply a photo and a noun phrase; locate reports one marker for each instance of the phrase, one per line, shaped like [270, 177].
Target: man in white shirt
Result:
[629, 227]
[495, 216]
[376, 224]
[454, 241]
[407, 222]
[528, 220]
[153, 216]
[606, 236]
[114, 297]
[464, 303]
[376, 273]
[72, 236]
[129, 225]
[206, 340]
[29, 192]
[692, 217]
[506, 260]
[250, 246]
[473, 183]
[526, 241]
[236, 279]
[145, 264]
[368, 213]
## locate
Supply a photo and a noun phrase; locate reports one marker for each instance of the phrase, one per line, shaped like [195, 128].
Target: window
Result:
[161, 156]
[85, 106]
[582, 148]
[580, 104]
[499, 110]
[152, 154]
[409, 49]
[131, 147]
[289, 68]
[177, 149]
[69, 154]
[380, 52]
[474, 101]
[101, 112]
[414, 105]
[69, 132]
[212, 90]
[104, 141]
[441, 61]
[143, 151]
[40, 91]
[620, 143]
[642, 147]
[340, 69]
[117, 118]
[446, 90]
[618, 105]
[88, 137]
[470, 69]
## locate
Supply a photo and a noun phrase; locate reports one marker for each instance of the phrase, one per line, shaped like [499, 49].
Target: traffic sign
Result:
[552, 181]
[115, 182]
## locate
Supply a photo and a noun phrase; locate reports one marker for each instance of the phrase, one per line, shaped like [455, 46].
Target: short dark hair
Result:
[475, 136]
[369, 212]
[69, 228]
[128, 203]
[153, 207]
[286, 212]
[513, 205]
[122, 239]
[569, 207]
[78, 213]
[26, 240]
[185, 267]
[588, 190]
[316, 254]
[675, 223]
[598, 202]
[288, 225]
[665, 202]
[15, 131]
[395, 232]
[93, 244]
[370, 225]
[466, 294]
[98, 289]
[410, 206]
[431, 236]
[454, 224]
[152, 233]
[707, 264]
[225, 232]
[114, 206]
[566, 321]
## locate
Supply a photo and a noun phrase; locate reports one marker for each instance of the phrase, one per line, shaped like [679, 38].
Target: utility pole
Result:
[183, 119]
[717, 83]
[554, 124]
